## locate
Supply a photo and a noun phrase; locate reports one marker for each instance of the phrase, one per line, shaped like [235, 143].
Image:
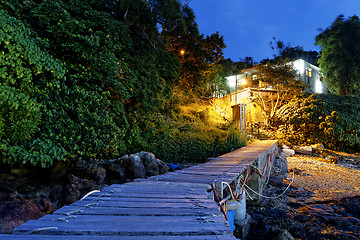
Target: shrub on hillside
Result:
[322, 118]
[193, 134]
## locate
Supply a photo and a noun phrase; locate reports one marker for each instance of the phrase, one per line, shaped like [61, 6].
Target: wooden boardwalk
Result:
[174, 206]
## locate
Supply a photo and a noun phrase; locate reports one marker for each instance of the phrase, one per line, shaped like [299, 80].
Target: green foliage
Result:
[328, 119]
[235, 137]
[63, 102]
[23, 64]
[192, 136]
[81, 77]
[199, 55]
[285, 51]
[340, 56]
[19, 115]
[280, 84]
[42, 152]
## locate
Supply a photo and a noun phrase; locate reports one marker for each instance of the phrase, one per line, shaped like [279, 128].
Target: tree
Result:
[286, 51]
[340, 56]
[279, 85]
[77, 76]
[322, 118]
[71, 78]
[199, 55]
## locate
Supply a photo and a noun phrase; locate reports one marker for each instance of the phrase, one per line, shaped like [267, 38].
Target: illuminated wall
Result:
[311, 76]
[308, 73]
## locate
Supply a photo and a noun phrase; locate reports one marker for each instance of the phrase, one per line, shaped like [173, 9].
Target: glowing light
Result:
[231, 81]
[242, 81]
[182, 52]
[318, 86]
[299, 65]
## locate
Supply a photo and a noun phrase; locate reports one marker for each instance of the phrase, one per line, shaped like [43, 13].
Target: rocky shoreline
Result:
[30, 194]
[305, 211]
[293, 207]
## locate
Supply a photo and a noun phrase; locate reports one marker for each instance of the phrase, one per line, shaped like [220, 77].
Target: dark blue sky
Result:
[248, 26]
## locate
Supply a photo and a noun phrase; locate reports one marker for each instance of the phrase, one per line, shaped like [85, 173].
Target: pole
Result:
[215, 85]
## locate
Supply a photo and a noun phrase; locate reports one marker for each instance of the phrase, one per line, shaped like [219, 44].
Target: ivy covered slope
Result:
[322, 118]
[66, 78]
[89, 77]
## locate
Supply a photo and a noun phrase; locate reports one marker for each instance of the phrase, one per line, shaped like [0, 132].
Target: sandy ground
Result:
[310, 197]
[326, 181]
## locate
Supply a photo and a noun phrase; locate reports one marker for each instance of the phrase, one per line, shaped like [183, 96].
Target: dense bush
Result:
[322, 118]
[190, 135]
[69, 72]
[91, 77]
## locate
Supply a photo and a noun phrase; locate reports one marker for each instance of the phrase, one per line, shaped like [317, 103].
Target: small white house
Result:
[308, 73]
[311, 76]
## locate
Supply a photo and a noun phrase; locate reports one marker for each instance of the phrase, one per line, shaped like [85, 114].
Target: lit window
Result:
[309, 72]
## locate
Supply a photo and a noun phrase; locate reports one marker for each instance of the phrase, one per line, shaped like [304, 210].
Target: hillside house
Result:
[247, 84]
[308, 73]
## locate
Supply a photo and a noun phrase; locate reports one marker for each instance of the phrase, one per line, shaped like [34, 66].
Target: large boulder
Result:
[163, 167]
[16, 210]
[136, 167]
[97, 174]
[150, 163]
[116, 173]
[76, 188]
[124, 161]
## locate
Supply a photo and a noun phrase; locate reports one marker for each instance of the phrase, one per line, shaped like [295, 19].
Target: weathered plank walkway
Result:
[173, 206]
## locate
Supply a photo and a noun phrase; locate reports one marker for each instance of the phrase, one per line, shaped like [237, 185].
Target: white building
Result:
[308, 73]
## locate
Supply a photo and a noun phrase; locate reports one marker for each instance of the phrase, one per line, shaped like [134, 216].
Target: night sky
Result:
[248, 26]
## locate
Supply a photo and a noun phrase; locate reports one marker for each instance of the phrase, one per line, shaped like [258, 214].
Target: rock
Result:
[75, 188]
[142, 154]
[136, 167]
[304, 150]
[150, 164]
[59, 170]
[288, 152]
[52, 192]
[280, 165]
[81, 163]
[98, 174]
[16, 210]
[344, 222]
[72, 189]
[301, 218]
[163, 167]
[318, 146]
[277, 182]
[116, 172]
[123, 161]
[257, 216]
[281, 234]
[333, 160]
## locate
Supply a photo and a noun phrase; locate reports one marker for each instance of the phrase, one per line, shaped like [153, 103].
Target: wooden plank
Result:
[72, 237]
[115, 220]
[117, 204]
[151, 195]
[155, 190]
[172, 206]
[126, 226]
[148, 200]
[76, 210]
